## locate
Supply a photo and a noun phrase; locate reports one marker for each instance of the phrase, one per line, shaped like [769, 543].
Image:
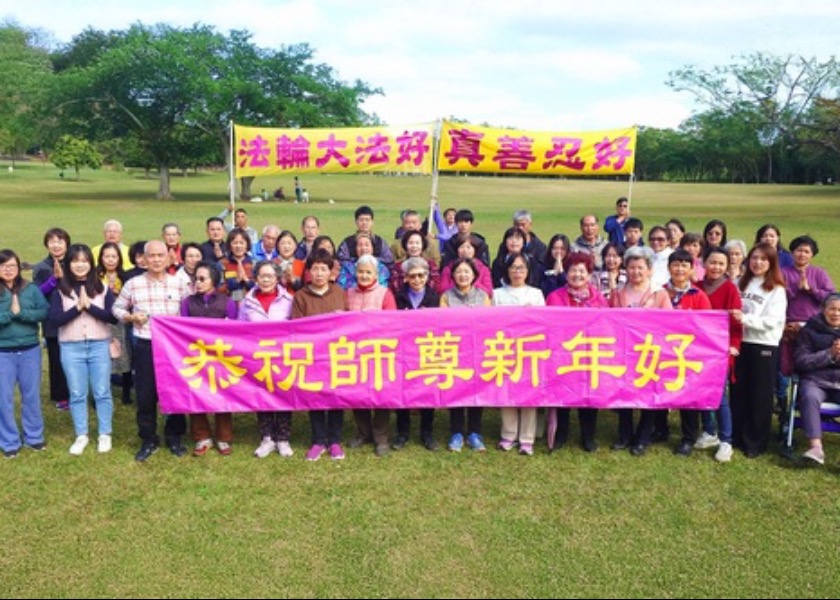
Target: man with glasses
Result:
[614, 225]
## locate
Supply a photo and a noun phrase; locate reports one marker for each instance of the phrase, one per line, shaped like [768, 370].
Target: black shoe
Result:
[621, 445]
[684, 449]
[429, 443]
[177, 448]
[146, 450]
[638, 450]
[589, 446]
[659, 437]
[37, 447]
[399, 442]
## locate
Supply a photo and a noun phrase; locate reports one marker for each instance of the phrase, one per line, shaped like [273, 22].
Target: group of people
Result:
[94, 306]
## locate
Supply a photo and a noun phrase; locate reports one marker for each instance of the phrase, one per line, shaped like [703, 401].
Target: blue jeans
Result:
[723, 416]
[24, 369]
[87, 365]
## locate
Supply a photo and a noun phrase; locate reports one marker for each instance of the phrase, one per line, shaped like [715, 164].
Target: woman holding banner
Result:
[580, 293]
[638, 293]
[519, 425]
[320, 296]
[270, 301]
[465, 294]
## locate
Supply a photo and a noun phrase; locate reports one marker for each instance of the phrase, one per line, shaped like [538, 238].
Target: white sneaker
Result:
[285, 449]
[724, 453]
[706, 441]
[79, 445]
[103, 444]
[265, 448]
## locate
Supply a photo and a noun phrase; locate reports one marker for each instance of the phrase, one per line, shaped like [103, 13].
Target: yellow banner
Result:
[465, 147]
[262, 151]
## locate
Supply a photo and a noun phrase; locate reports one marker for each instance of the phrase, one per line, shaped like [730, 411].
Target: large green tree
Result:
[24, 72]
[174, 89]
[775, 94]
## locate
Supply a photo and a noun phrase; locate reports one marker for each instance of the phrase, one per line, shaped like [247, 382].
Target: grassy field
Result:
[414, 524]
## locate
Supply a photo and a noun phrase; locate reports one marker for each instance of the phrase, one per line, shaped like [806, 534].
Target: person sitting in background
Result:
[469, 247]
[364, 247]
[347, 252]
[464, 222]
[413, 245]
[590, 240]
[817, 359]
[266, 246]
[554, 273]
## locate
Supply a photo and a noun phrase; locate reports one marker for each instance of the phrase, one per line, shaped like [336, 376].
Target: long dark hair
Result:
[92, 283]
[19, 283]
[100, 268]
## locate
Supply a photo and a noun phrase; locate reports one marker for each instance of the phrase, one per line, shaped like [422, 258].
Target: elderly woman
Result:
[736, 250]
[638, 293]
[581, 293]
[817, 358]
[465, 294]
[269, 301]
[369, 294]
[519, 425]
[416, 293]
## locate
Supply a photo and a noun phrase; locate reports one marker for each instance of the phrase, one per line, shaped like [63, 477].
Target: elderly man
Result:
[533, 244]
[112, 232]
[411, 222]
[153, 294]
[590, 242]
[172, 238]
[266, 246]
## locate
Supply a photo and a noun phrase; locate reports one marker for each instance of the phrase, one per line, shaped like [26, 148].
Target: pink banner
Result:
[495, 356]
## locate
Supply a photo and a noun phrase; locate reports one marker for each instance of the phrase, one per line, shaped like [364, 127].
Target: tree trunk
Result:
[163, 183]
[245, 194]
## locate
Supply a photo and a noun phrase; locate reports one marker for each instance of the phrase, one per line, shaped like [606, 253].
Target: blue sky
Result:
[551, 65]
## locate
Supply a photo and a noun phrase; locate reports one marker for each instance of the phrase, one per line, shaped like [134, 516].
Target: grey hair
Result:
[368, 259]
[278, 269]
[637, 252]
[415, 262]
[522, 214]
[736, 243]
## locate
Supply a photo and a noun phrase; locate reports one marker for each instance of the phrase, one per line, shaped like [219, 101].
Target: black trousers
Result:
[147, 400]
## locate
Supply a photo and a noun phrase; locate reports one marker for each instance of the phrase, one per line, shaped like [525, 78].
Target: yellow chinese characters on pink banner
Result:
[465, 147]
[266, 151]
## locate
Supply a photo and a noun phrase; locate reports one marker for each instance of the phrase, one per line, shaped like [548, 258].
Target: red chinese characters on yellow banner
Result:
[266, 151]
[466, 148]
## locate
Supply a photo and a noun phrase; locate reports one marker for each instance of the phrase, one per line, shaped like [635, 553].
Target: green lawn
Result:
[414, 524]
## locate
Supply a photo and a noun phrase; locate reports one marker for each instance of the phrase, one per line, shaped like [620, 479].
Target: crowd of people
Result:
[93, 305]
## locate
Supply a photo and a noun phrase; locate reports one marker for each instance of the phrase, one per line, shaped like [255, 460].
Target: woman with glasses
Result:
[22, 308]
[513, 243]
[417, 292]
[714, 233]
[208, 303]
[519, 425]
[269, 300]
[659, 239]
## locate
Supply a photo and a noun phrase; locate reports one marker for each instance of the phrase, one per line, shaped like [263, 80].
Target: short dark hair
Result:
[56, 232]
[465, 214]
[680, 255]
[804, 240]
[320, 256]
[634, 223]
[215, 273]
[363, 210]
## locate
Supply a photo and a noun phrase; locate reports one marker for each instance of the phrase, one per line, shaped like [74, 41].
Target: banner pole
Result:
[435, 174]
[231, 179]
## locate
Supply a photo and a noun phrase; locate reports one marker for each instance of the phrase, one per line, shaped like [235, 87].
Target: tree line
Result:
[161, 97]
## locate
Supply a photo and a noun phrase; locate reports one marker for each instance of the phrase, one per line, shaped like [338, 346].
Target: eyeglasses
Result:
[10, 265]
[518, 268]
[658, 239]
[416, 275]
